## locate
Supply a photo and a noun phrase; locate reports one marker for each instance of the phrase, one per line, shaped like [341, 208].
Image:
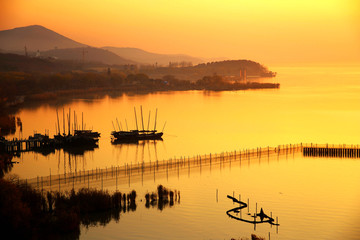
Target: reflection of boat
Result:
[134, 136]
[77, 140]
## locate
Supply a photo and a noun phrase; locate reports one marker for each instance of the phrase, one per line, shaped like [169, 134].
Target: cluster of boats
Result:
[80, 138]
[88, 137]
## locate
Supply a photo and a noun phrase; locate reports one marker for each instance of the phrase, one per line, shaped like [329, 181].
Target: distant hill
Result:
[90, 54]
[51, 44]
[228, 68]
[35, 38]
[144, 57]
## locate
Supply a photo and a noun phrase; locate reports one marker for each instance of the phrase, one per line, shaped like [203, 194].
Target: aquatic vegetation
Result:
[162, 198]
[253, 237]
[27, 213]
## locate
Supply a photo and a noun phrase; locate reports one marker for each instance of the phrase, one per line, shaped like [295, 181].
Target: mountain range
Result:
[145, 57]
[37, 40]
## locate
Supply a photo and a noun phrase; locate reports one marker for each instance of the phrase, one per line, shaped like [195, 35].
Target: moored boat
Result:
[122, 136]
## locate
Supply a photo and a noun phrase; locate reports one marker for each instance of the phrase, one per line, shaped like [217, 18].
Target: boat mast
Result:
[126, 125]
[148, 121]
[118, 124]
[74, 122]
[82, 121]
[69, 119]
[113, 125]
[137, 129]
[58, 122]
[164, 127]
[155, 120]
[64, 120]
[142, 120]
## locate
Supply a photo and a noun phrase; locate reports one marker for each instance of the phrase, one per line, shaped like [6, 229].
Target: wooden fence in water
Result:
[130, 173]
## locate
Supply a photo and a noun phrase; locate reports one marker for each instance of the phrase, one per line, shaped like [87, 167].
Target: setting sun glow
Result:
[272, 32]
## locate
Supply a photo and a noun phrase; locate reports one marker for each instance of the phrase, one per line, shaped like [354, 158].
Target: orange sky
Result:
[269, 31]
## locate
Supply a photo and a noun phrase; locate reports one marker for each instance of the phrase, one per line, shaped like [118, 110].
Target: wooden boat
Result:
[136, 135]
[81, 138]
[87, 133]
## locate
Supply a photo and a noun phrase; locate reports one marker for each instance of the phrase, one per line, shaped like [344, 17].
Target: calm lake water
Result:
[314, 198]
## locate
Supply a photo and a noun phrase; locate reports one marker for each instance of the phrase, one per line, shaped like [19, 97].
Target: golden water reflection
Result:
[319, 105]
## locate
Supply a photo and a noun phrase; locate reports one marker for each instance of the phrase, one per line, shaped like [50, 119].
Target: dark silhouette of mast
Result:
[58, 122]
[64, 120]
[137, 129]
[148, 121]
[155, 120]
[142, 119]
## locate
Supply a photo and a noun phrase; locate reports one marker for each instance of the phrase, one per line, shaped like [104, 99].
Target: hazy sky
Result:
[269, 31]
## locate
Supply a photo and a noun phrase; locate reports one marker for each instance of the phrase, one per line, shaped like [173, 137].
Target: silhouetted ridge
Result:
[144, 57]
[34, 37]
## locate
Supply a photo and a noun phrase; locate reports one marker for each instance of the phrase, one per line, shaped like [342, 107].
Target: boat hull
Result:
[135, 136]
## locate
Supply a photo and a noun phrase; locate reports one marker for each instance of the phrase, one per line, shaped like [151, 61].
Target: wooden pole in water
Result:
[142, 119]
[136, 120]
[255, 211]
[50, 179]
[155, 120]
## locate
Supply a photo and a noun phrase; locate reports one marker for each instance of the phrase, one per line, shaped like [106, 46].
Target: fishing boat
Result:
[87, 133]
[80, 137]
[122, 136]
[135, 135]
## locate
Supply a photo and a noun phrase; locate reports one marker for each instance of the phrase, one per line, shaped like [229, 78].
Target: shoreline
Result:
[47, 97]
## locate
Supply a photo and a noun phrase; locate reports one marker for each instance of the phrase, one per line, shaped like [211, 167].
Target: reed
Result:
[27, 212]
[162, 198]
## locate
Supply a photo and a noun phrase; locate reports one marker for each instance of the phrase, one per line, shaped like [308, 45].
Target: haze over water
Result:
[313, 197]
[306, 42]
[313, 105]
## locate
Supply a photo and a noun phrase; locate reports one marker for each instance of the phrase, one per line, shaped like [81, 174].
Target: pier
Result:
[25, 145]
[342, 151]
